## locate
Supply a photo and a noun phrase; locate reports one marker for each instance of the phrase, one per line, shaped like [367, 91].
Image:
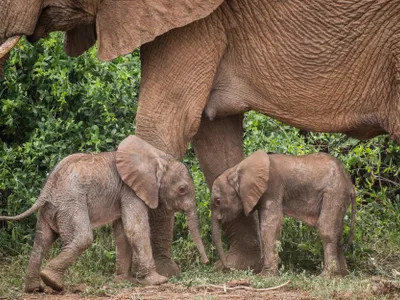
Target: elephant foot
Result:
[154, 279]
[333, 271]
[241, 261]
[167, 267]
[330, 274]
[325, 274]
[52, 279]
[344, 273]
[33, 286]
[269, 272]
[123, 278]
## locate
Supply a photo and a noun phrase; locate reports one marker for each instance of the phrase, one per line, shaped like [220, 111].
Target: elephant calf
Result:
[85, 191]
[313, 188]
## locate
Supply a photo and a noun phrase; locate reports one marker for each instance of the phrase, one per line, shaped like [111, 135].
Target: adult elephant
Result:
[329, 66]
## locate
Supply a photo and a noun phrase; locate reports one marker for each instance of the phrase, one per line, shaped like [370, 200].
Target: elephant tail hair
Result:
[26, 213]
[353, 219]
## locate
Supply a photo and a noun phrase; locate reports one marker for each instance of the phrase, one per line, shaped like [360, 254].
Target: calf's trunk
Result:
[194, 228]
[216, 237]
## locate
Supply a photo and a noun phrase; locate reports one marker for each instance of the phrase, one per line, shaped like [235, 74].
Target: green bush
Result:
[52, 105]
[374, 169]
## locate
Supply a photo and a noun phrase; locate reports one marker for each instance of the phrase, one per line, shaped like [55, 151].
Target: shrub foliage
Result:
[52, 105]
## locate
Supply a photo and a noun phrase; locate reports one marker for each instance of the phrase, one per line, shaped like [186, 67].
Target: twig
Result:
[388, 180]
[225, 288]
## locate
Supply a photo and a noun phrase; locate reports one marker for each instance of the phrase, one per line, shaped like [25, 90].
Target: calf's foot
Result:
[154, 279]
[242, 260]
[33, 286]
[167, 267]
[52, 279]
[122, 278]
[245, 251]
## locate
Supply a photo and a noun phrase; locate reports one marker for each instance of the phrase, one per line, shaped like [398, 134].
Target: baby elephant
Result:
[313, 188]
[85, 191]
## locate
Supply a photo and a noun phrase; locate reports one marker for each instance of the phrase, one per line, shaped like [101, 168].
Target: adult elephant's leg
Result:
[178, 69]
[162, 227]
[219, 146]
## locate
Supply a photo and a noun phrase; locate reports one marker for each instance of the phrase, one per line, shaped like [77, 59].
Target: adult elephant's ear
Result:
[141, 166]
[79, 39]
[124, 25]
[250, 179]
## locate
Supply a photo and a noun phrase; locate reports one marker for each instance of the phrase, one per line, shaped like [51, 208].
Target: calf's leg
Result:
[126, 260]
[330, 229]
[76, 235]
[271, 219]
[44, 237]
[135, 221]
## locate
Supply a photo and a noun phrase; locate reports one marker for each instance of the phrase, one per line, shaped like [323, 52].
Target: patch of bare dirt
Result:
[235, 289]
[174, 291]
[385, 287]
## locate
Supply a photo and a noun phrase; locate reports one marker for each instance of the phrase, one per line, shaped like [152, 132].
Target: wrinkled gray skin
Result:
[312, 188]
[330, 66]
[86, 191]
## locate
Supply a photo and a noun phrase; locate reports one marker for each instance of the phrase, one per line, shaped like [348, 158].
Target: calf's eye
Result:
[182, 189]
[217, 202]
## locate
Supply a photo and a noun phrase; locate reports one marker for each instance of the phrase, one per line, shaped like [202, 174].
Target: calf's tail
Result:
[26, 213]
[353, 219]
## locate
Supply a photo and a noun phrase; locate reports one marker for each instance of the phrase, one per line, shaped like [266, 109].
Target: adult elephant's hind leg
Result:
[219, 146]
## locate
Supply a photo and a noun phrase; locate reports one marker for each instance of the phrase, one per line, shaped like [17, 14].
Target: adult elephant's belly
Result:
[362, 105]
[325, 68]
[349, 98]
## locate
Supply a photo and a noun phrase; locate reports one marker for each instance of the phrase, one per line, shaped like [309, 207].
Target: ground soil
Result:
[235, 289]
[175, 291]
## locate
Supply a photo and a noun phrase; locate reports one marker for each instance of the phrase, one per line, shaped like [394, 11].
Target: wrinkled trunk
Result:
[194, 228]
[2, 63]
[216, 237]
[17, 18]
[6, 47]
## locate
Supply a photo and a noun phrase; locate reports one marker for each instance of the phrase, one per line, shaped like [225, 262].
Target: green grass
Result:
[376, 254]
[356, 284]
[96, 282]
[94, 271]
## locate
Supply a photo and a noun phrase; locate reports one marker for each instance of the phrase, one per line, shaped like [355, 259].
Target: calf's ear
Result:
[141, 166]
[250, 179]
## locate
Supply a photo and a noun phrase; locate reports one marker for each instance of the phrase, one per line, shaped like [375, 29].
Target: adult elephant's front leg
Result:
[219, 146]
[162, 229]
[170, 106]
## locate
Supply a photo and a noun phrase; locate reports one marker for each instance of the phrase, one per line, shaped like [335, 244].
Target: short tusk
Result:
[8, 45]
